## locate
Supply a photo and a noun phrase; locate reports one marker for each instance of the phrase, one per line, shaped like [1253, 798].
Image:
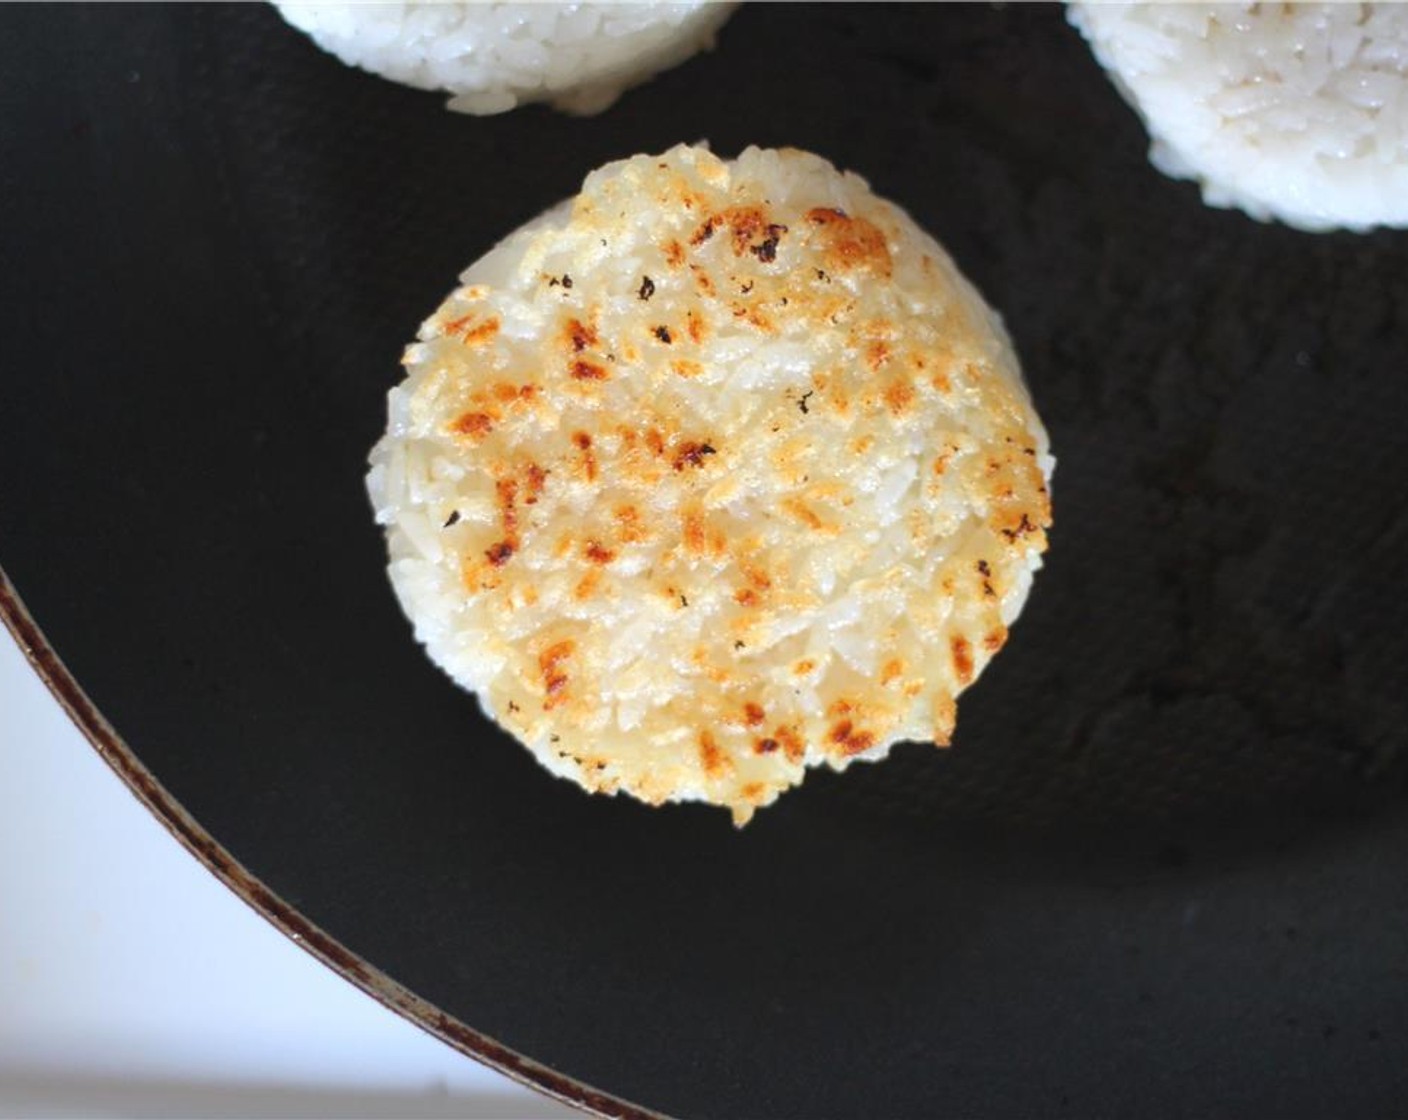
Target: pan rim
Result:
[44, 659]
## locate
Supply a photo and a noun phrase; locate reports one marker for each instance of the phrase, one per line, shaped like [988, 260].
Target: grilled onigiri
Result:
[1297, 112]
[718, 471]
[494, 56]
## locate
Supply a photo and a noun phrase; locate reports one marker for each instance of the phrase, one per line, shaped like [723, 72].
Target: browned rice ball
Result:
[715, 473]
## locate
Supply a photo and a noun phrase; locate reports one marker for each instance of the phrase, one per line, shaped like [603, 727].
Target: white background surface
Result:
[133, 983]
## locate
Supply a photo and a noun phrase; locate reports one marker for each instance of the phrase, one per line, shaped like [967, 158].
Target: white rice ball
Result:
[715, 473]
[494, 56]
[1297, 112]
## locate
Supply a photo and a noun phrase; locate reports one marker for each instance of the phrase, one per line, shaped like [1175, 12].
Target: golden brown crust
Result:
[750, 488]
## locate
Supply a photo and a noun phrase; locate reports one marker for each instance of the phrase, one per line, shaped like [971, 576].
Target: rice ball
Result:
[717, 472]
[494, 56]
[1297, 112]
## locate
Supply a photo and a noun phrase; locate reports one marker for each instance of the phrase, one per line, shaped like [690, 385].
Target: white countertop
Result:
[133, 983]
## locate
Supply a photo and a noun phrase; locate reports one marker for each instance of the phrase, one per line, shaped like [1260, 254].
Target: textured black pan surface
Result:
[1163, 872]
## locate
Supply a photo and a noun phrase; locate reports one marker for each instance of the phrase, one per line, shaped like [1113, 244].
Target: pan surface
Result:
[1163, 870]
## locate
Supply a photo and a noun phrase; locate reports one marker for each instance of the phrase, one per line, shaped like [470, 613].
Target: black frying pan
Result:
[1164, 870]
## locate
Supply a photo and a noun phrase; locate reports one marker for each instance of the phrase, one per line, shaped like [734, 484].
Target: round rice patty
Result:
[717, 472]
[1291, 111]
[496, 56]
